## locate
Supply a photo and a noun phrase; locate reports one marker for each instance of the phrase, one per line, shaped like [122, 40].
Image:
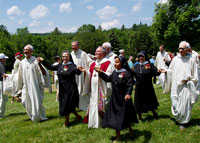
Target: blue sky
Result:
[68, 15]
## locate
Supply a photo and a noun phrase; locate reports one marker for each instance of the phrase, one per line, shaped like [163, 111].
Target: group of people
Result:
[103, 87]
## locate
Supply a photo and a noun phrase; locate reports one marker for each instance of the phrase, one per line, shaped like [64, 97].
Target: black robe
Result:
[68, 90]
[120, 113]
[145, 98]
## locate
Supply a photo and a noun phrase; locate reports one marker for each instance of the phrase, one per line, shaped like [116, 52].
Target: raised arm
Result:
[47, 65]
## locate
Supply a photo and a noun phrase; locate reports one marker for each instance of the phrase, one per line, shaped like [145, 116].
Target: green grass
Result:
[17, 127]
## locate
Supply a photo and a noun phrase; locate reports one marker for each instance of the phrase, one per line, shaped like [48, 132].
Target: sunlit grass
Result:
[17, 127]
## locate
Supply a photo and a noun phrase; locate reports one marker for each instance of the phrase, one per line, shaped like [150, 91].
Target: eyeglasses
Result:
[180, 48]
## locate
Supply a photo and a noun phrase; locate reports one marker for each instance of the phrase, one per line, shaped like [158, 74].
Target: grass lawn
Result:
[16, 127]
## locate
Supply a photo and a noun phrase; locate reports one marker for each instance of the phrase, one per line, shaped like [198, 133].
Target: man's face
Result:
[3, 60]
[99, 54]
[107, 49]
[161, 49]
[28, 52]
[183, 50]
[75, 46]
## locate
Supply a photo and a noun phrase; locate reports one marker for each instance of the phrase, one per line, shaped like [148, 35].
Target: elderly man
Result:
[109, 54]
[81, 59]
[34, 77]
[183, 77]
[3, 98]
[161, 61]
[100, 90]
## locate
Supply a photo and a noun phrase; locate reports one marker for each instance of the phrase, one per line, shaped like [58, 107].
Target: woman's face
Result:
[141, 59]
[118, 65]
[65, 57]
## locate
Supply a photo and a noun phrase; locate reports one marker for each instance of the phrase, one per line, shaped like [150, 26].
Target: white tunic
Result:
[97, 84]
[80, 58]
[183, 77]
[111, 57]
[160, 63]
[33, 88]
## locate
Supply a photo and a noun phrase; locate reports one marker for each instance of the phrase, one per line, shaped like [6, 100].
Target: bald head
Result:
[28, 51]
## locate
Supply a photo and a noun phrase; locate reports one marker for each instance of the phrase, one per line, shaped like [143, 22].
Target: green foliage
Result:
[176, 21]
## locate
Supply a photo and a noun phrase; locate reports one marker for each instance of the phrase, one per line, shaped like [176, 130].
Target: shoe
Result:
[155, 115]
[182, 127]
[85, 121]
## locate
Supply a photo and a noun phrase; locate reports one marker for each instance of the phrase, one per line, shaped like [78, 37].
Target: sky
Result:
[42, 16]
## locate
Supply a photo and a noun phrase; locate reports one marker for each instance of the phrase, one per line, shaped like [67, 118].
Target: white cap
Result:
[2, 56]
[121, 51]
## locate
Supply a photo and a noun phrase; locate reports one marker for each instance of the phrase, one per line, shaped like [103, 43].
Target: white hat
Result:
[2, 56]
[121, 51]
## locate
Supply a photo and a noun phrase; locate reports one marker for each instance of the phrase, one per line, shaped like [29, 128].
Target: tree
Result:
[175, 21]
[113, 39]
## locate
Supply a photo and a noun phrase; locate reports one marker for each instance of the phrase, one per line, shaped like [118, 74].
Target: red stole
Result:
[103, 67]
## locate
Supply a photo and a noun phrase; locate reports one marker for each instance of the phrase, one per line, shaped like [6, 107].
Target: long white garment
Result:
[80, 58]
[97, 84]
[160, 63]
[33, 88]
[14, 78]
[111, 57]
[183, 77]
[3, 100]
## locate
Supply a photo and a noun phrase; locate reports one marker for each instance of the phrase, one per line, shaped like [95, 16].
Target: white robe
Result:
[183, 77]
[80, 58]
[33, 88]
[111, 57]
[96, 84]
[159, 63]
[14, 78]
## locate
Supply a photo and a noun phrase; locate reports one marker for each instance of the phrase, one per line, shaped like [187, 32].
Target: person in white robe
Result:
[16, 94]
[196, 57]
[182, 78]
[55, 77]
[34, 78]
[100, 90]
[162, 58]
[3, 97]
[110, 55]
[81, 59]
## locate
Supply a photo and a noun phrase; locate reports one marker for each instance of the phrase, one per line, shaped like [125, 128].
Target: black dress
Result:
[120, 113]
[68, 90]
[145, 98]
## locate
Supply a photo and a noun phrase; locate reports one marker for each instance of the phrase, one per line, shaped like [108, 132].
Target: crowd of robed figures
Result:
[102, 86]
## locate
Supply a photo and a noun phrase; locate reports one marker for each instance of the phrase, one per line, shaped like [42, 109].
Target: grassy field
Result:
[16, 127]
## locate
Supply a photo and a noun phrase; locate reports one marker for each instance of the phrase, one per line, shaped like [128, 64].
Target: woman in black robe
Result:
[120, 113]
[145, 98]
[68, 90]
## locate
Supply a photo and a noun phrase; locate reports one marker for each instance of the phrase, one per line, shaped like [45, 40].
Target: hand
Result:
[164, 59]
[127, 97]
[40, 59]
[97, 69]
[81, 69]
[163, 70]
[4, 75]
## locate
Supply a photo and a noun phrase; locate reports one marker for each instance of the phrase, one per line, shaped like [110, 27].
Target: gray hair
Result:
[76, 42]
[30, 46]
[185, 43]
[103, 50]
[107, 45]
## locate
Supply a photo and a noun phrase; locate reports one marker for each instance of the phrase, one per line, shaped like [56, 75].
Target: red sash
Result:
[103, 67]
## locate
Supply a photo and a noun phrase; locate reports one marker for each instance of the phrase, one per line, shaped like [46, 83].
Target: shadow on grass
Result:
[150, 118]
[194, 122]
[136, 134]
[16, 114]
